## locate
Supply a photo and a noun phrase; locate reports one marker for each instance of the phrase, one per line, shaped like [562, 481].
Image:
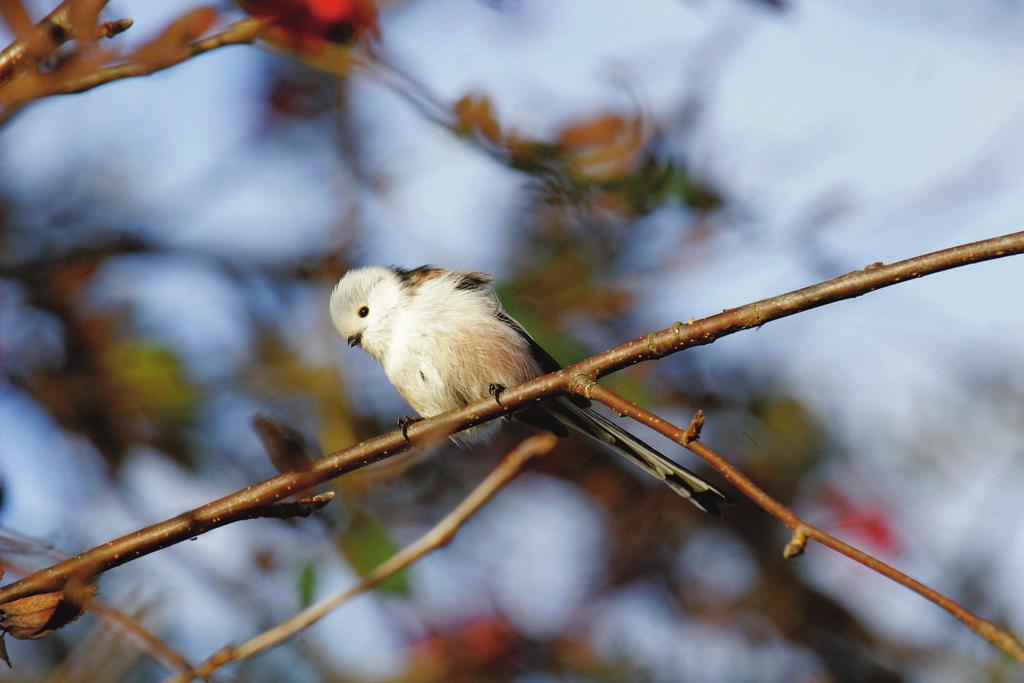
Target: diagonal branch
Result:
[440, 535]
[679, 336]
[241, 32]
[802, 530]
[151, 643]
[55, 29]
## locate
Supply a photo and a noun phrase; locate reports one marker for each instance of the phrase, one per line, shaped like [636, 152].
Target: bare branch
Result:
[55, 29]
[240, 33]
[440, 535]
[802, 531]
[679, 336]
[154, 645]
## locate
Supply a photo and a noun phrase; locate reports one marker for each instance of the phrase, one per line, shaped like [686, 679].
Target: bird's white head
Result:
[362, 304]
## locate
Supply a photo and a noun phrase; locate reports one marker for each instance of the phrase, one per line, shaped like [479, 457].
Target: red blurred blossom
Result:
[474, 643]
[310, 24]
[868, 520]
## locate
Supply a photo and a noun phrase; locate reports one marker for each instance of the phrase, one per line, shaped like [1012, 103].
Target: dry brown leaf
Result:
[174, 40]
[27, 617]
[37, 615]
[474, 114]
[285, 445]
[603, 148]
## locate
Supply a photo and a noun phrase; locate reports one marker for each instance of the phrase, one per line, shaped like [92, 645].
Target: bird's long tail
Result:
[681, 480]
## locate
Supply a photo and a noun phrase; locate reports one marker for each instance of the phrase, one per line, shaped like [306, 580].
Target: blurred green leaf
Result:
[567, 350]
[307, 584]
[150, 377]
[696, 194]
[789, 438]
[650, 185]
[366, 544]
[632, 388]
[562, 347]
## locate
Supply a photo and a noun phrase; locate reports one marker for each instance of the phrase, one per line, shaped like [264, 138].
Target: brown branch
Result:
[240, 33]
[438, 536]
[55, 29]
[236, 506]
[802, 530]
[150, 642]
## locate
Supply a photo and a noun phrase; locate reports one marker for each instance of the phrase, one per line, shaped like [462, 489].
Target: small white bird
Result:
[444, 340]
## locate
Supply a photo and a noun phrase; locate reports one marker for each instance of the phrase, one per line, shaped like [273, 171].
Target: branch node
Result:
[757, 313]
[797, 543]
[692, 432]
[582, 384]
[651, 339]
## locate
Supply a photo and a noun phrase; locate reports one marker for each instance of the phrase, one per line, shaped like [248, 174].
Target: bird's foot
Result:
[496, 390]
[405, 421]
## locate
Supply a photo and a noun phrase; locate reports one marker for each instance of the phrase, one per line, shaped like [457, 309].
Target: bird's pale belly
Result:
[432, 388]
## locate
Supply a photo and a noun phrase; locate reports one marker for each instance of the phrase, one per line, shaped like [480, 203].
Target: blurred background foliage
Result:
[167, 248]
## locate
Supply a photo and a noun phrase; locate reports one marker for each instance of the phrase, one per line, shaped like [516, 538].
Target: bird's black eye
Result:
[363, 312]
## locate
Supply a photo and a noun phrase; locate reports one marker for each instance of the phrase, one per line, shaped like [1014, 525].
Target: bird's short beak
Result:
[355, 339]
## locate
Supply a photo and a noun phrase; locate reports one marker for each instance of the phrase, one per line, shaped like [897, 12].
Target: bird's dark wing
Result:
[544, 359]
[472, 279]
[467, 279]
[414, 276]
[535, 417]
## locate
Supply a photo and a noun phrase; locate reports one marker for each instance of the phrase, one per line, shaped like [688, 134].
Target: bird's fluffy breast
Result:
[448, 346]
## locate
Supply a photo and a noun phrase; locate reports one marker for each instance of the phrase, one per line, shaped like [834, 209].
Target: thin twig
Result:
[303, 507]
[802, 530]
[51, 32]
[384, 71]
[440, 535]
[677, 337]
[151, 643]
[240, 33]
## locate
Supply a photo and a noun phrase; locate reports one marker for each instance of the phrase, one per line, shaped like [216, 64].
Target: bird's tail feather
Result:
[681, 480]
